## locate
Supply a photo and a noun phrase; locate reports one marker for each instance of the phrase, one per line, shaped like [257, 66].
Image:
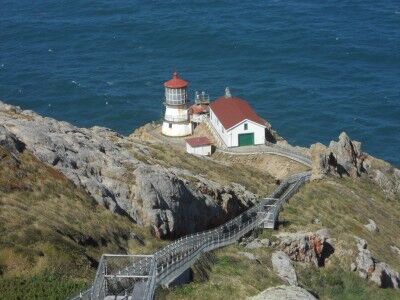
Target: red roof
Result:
[176, 82]
[232, 110]
[198, 141]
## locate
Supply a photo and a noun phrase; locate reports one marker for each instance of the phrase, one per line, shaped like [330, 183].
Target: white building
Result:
[176, 120]
[198, 146]
[236, 122]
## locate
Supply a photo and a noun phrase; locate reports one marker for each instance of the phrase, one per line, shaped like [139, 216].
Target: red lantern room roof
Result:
[176, 82]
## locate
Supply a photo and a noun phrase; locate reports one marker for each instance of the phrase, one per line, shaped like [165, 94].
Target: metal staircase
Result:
[129, 277]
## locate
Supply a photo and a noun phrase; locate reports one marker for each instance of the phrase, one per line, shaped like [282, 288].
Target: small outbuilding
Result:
[236, 123]
[198, 146]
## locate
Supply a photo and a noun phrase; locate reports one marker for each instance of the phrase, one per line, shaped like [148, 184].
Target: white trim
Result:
[243, 121]
[240, 122]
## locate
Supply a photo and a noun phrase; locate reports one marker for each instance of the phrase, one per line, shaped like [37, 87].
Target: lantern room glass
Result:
[175, 96]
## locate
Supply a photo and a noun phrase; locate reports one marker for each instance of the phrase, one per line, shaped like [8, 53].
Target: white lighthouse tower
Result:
[176, 119]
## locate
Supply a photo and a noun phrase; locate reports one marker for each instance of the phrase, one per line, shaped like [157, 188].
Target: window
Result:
[246, 126]
[170, 125]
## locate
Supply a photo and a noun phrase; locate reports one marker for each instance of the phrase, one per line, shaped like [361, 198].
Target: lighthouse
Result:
[176, 120]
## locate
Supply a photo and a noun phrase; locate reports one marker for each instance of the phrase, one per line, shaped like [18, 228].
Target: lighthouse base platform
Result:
[176, 129]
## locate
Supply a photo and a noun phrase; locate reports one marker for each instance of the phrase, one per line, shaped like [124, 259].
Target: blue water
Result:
[312, 68]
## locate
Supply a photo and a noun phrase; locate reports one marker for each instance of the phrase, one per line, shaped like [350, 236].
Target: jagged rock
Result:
[284, 292]
[101, 161]
[343, 157]
[10, 142]
[175, 208]
[385, 277]
[361, 243]
[320, 161]
[371, 226]
[378, 272]
[283, 267]
[365, 263]
[307, 247]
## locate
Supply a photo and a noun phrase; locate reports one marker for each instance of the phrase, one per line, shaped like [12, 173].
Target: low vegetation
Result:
[343, 206]
[52, 233]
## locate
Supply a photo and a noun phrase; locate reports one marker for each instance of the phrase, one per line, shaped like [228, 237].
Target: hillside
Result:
[69, 194]
[341, 205]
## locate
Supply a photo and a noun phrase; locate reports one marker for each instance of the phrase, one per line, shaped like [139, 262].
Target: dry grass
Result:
[343, 206]
[49, 226]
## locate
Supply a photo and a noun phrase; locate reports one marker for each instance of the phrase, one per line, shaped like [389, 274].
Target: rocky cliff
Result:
[104, 164]
[345, 158]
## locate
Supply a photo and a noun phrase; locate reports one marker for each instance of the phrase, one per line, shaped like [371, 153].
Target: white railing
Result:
[172, 118]
[137, 276]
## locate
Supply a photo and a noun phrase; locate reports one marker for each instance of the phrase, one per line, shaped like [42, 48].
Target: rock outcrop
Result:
[369, 268]
[371, 226]
[384, 175]
[10, 142]
[174, 207]
[283, 267]
[103, 163]
[307, 247]
[341, 158]
[284, 292]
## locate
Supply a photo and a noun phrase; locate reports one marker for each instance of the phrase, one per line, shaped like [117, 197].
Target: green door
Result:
[246, 139]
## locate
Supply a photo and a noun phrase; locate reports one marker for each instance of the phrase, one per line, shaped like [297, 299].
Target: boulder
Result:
[384, 276]
[361, 243]
[369, 268]
[371, 226]
[307, 246]
[249, 255]
[365, 263]
[283, 267]
[284, 292]
[255, 244]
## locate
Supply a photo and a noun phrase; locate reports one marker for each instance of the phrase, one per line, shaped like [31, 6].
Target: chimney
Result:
[227, 93]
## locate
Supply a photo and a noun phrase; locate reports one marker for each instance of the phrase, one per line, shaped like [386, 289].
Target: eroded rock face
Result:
[341, 158]
[284, 292]
[88, 159]
[98, 160]
[307, 247]
[174, 207]
[283, 267]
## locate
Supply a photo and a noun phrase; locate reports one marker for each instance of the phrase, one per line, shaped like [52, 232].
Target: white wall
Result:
[202, 150]
[177, 129]
[231, 137]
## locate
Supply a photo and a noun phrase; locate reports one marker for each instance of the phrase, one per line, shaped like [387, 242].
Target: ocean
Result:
[311, 68]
